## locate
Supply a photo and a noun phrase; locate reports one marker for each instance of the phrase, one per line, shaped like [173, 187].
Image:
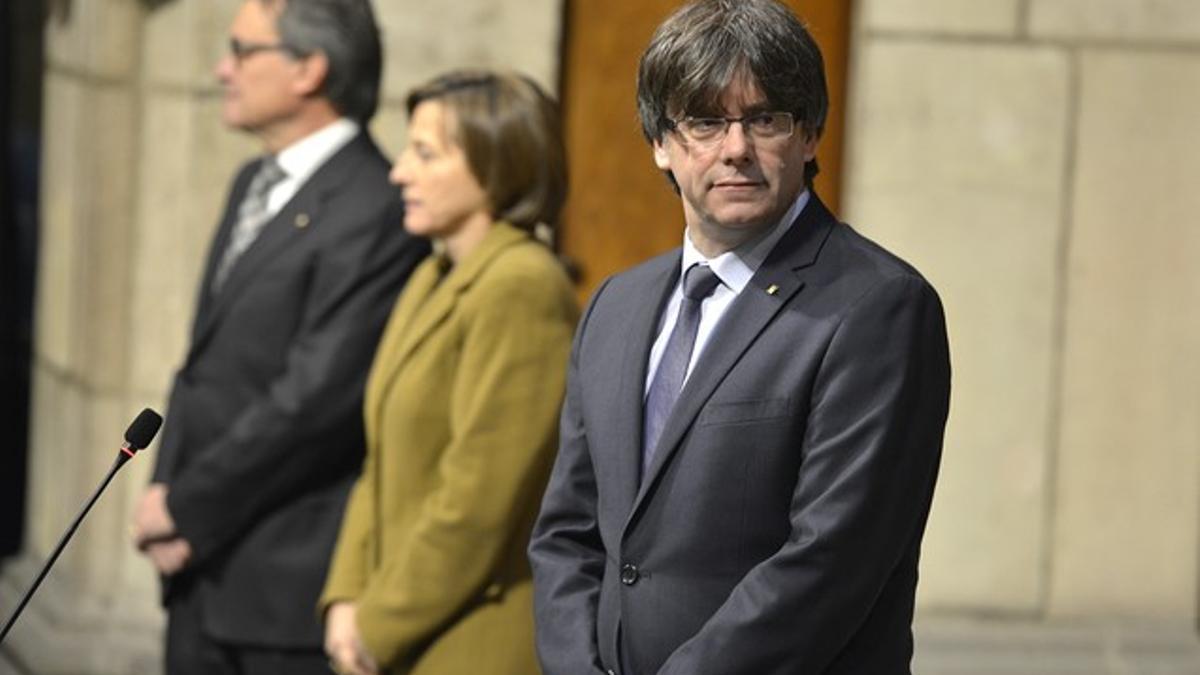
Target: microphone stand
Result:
[124, 456]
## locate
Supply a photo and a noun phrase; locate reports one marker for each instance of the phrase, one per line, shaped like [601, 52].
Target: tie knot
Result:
[699, 282]
[269, 173]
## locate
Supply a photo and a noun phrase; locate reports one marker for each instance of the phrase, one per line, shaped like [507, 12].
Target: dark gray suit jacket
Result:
[779, 526]
[263, 434]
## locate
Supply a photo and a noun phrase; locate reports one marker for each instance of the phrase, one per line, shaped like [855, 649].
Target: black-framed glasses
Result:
[243, 50]
[761, 126]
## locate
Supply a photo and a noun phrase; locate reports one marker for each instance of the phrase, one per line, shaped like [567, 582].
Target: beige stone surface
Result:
[166, 245]
[183, 40]
[103, 231]
[967, 17]
[1128, 497]
[389, 127]
[97, 613]
[99, 37]
[422, 39]
[997, 646]
[87, 198]
[57, 432]
[956, 164]
[95, 553]
[1140, 20]
[63, 633]
[77, 435]
[60, 203]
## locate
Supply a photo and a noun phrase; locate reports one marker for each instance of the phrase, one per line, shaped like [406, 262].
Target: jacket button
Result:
[629, 574]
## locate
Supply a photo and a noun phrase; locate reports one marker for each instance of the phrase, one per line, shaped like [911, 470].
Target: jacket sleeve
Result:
[869, 460]
[282, 441]
[506, 396]
[349, 566]
[566, 550]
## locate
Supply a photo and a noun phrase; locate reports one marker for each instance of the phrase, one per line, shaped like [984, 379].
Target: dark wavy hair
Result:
[702, 47]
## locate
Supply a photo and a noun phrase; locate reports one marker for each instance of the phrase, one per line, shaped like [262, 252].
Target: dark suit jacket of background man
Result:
[263, 434]
[778, 527]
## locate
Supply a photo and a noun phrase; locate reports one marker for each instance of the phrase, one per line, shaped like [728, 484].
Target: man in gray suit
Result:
[264, 434]
[753, 422]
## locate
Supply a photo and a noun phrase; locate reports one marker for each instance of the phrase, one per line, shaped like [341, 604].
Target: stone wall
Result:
[136, 165]
[1034, 159]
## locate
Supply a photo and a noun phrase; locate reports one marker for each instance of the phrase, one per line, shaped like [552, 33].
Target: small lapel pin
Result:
[772, 289]
[302, 220]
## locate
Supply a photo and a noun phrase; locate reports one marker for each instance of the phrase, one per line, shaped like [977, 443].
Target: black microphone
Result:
[141, 431]
[139, 434]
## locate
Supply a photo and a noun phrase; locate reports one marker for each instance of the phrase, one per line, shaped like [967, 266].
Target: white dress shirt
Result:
[735, 269]
[301, 159]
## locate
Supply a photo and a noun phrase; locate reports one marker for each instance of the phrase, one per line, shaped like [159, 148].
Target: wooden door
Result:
[621, 209]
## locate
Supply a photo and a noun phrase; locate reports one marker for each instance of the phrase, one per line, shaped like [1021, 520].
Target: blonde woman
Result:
[430, 573]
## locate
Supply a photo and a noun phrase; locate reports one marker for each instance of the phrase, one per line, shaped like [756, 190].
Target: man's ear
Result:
[312, 71]
[810, 146]
[661, 158]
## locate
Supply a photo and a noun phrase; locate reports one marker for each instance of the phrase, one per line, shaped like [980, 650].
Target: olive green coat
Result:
[461, 416]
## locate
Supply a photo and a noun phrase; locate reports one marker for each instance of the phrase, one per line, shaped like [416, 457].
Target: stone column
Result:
[1034, 158]
[1127, 535]
[137, 165]
[90, 608]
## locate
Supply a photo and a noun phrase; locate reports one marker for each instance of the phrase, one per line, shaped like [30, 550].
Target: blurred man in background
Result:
[263, 436]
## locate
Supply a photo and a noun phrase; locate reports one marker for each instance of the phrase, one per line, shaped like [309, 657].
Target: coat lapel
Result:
[204, 299]
[771, 288]
[393, 343]
[425, 304]
[302, 212]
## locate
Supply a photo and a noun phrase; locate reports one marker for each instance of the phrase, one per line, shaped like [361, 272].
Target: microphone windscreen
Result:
[143, 428]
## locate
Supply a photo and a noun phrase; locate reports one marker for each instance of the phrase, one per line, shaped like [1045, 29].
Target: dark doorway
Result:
[20, 141]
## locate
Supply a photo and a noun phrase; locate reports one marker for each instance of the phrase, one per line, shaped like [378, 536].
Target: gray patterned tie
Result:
[698, 283]
[252, 215]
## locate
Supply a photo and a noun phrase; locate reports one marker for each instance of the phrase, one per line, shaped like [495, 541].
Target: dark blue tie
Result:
[698, 283]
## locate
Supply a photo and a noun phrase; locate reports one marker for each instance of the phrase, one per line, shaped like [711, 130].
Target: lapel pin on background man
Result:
[263, 435]
[753, 423]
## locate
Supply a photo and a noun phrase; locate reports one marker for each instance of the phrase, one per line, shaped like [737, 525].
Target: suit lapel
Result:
[204, 298]
[421, 310]
[393, 345]
[641, 329]
[288, 227]
[771, 288]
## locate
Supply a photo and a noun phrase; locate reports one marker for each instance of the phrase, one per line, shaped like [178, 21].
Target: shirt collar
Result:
[300, 159]
[735, 268]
